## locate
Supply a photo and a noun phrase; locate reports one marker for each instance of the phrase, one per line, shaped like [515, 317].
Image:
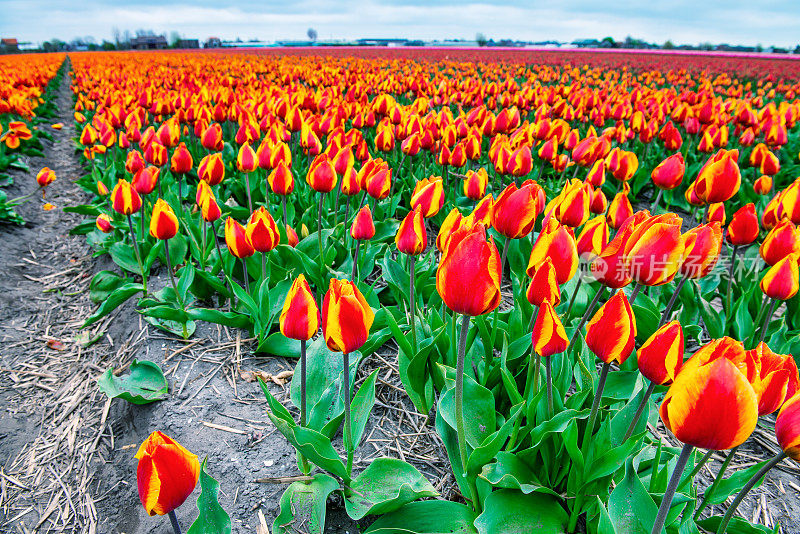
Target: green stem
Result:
[746, 489]
[586, 314]
[138, 255]
[304, 467]
[247, 186]
[319, 235]
[717, 479]
[572, 299]
[669, 493]
[549, 375]
[639, 410]
[656, 201]
[765, 326]
[174, 520]
[595, 405]
[461, 437]
[730, 278]
[672, 301]
[175, 286]
[412, 301]
[706, 457]
[245, 276]
[263, 267]
[635, 293]
[348, 428]
[355, 261]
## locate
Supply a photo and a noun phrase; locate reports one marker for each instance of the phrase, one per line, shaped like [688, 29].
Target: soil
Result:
[66, 452]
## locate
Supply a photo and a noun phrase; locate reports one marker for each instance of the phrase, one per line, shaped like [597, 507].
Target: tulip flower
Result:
[710, 405]
[515, 210]
[475, 183]
[544, 286]
[763, 185]
[45, 177]
[593, 238]
[363, 229]
[103, 223]
[611, 336]
[659, 360]
[702, 248]
[263, 235]
[211, 169]
[776, 379]
[166, 475]
[654, 250]
[164, 226]
[411, 238]
[743, 228]
[780, 283]
[484, 211]
[126, 201]
[782, 240]
[300, 320]
[548, 338]
[322, 178]
[573, 208]
[667, 175]
[428, 195]
[212, 137]
[719, 179]
[239, 245]
[558, 243]
[620, 209]
[247, 162]
[449, 225]
[346, 320]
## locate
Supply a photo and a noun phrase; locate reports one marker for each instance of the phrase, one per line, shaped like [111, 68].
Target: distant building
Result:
[9, 45]
[188, 43]
[149, 42]
[382, 42]
[213, 42]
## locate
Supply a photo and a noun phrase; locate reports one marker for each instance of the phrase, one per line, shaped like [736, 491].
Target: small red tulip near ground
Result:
[103, 223]
[166, 474]
[363, 227]
[787, 428]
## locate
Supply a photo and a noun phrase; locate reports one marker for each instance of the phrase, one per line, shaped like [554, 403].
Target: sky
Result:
[753, 22]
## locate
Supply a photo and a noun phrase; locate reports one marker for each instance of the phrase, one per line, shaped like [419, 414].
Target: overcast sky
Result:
[766, 22]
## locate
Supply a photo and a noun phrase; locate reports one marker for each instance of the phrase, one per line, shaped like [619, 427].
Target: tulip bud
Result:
[781, 281]
[212, 137]
[469, 273]
[163, 459]
[654, 250]
[211, 169]
[246, 159]
[146, 180]
[321, 174]
[711, 406]
[661, 356]
[763, 185]
[300, 316]
[363, 227]
[611, 333]
[743, 228]
[593, 238]
[558, 243]
[449, 225]
[346, 317]
[262, 232]
[134, 162]
[716, 213]
[544, 286]
[548, 334]
[291, 236]
[781, 241]
[103, 223]
[428, 195]
[669, 173]
[236, 239]
[181, 161]
[702, 248]
[787, 428]
[620, 210]
[475, 183]
[515, 210]
[124, 198]
[45, 177]
[163, 222]
[379, 183]
[719, 179]
[411, 238]
[776, 380]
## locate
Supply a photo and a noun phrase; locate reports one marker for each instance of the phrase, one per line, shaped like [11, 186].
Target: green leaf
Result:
[185, 281]
[736, 526]
[510, 472]
[480, 420]
[426, 517]
[123, 255]
[384, 486]
[630, 507]
[144, 384]
[489, 448]
[513, 512]
[361, 406]
[114, 299]
[713, 319]
[103, 284]
[731, 485]
[212, 519]
[232, 319]
[302, 506]
[318, 448]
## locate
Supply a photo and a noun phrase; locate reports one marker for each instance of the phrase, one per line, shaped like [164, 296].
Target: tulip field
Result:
[582, 266]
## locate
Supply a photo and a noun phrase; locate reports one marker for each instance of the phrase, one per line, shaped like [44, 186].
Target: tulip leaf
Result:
[123, 255]
[361, 406]
[426, 517]
[384, 486]
[212, 519]
[737, 525]
[144, 384]
[510, 472]
[713, 319]
[303, 505]
[731, 485]
[480, 419]
[103, 284]
[630, 507]
[113, 300]
[232, 319]
[491, 445]
[511, 512]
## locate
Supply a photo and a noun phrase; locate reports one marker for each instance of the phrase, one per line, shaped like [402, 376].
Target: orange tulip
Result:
[300, 316]
[484, 211]
[661, 356]
[124, 198]
[363, 227]
[165, 475]
[763, 185]
[703, 245]
[619, 210]
[428, 195]
[181, 161]
[163, 222]
[281, 180]
[262, 232]
[654, 250]
[346, 317]
[548, 334]
[134, 162]
[212, 137]
[711, 406]
[669, 173]
[719, 179]
[321, 174]
[787, 427]
[782, 240]
[379, 183]
[146, 180]
[558, 243]
[475, 183]
[544, 286]
[211, 169]
[515, 210]
[103, 223]
[411, 238]
[469, 273]
[781, 280]
[611, 333]
[236, 239]
[776, 380]
[45, 177]
[743, 228]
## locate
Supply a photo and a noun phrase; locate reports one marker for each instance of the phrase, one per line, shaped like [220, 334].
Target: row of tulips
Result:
[422, 152]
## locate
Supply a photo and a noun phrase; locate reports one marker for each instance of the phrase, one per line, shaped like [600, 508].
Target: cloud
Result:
[772, 22]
